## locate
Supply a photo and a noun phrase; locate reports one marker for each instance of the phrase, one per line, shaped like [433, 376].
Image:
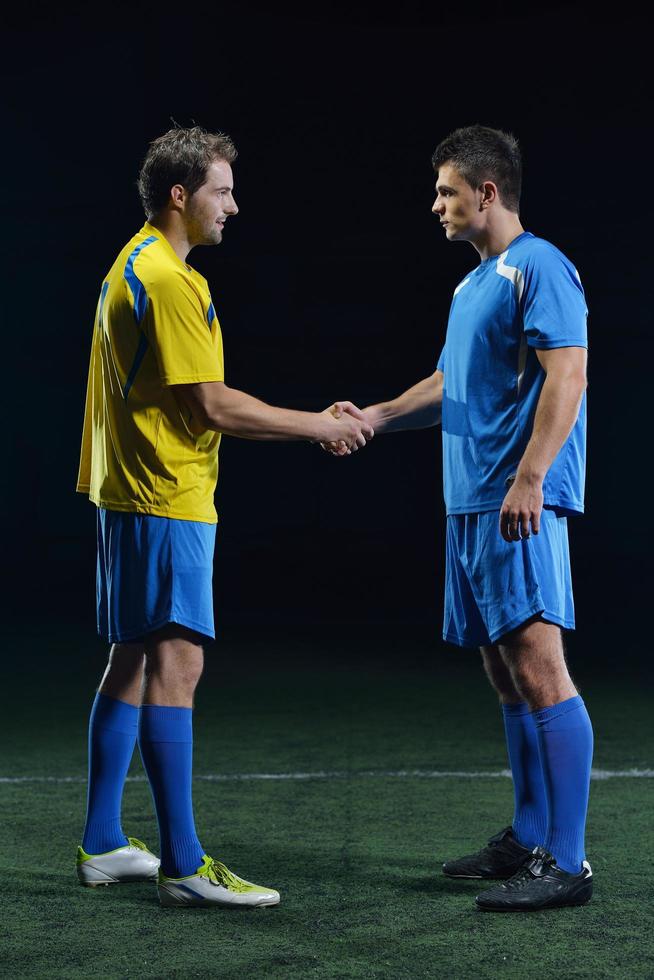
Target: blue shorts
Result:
[492, 586]
[153, 571]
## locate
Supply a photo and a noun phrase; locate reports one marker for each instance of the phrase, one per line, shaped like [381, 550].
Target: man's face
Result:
[207, 210]
[457, 206]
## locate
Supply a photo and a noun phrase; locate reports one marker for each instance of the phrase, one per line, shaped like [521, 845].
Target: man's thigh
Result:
[153, 571]
[514, 582]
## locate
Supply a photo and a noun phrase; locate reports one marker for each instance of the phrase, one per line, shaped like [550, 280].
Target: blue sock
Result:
[530, 803]
[166, 744]
[112, 736]
[565, 743]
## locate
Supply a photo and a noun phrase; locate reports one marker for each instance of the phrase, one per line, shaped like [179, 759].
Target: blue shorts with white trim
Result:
[492, 586]
[153, 571]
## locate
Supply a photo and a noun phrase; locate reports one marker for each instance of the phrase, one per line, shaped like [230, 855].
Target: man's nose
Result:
[438, 206]
[232, 208]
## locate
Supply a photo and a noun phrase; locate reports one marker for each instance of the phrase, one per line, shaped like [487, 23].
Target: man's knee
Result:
[174, 670]
[174, 657]
[535, 656]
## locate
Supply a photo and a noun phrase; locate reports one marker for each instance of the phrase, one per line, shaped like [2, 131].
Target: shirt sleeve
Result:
[441, 361]
[178, 329]
[553, 304]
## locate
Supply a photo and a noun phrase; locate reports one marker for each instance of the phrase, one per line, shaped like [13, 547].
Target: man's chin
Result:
[213, 238]
[459, 235]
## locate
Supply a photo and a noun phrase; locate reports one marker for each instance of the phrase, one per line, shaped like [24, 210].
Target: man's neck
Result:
[175, 234]
[498, 234]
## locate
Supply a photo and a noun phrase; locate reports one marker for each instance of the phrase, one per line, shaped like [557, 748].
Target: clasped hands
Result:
[348, 429]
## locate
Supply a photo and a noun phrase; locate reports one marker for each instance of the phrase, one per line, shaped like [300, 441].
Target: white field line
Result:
[236, 777]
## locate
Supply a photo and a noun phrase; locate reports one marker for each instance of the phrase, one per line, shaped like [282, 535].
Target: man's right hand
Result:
[344, 429]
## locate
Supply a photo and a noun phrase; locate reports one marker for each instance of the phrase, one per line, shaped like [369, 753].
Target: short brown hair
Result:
[480, 153]
[180, 156]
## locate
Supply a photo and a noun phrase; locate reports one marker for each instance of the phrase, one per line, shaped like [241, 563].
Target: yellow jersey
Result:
[155, 326]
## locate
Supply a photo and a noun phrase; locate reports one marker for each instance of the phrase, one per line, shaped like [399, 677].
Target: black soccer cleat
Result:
[539, 884]
[500, 859]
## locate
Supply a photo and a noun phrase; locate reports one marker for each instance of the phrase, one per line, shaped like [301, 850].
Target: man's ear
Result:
[488, 194]
[178, 196]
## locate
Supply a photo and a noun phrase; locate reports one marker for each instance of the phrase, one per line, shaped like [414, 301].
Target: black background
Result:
[334, 281]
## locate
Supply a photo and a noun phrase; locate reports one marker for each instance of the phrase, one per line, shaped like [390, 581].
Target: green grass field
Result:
[355, 850]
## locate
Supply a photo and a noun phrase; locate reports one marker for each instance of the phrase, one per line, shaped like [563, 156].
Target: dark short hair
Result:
[480, 153]
[180, 156]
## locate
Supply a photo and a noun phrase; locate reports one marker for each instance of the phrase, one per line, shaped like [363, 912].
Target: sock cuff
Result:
[114, 715]
[544, 715]
[516, 710]
[161, 723]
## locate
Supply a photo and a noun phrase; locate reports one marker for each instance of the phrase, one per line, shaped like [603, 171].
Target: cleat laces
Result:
[219, 874]
[135, 842]
[519, 881]
[525, 875]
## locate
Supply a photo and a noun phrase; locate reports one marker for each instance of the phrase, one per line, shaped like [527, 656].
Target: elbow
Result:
[205, 404]
[214, 419]
[200, 414]
[569, 381]
[214, 414]
[576, 386]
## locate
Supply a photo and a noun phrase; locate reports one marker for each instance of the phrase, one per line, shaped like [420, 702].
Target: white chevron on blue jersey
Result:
[511, 273]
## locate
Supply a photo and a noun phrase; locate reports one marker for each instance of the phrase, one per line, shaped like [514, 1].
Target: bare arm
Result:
[556, 414]
[417, 408]
[215, 406]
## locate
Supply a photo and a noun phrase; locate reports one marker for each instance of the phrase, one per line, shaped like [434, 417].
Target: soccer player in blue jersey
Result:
[156, 406]
[509, 390]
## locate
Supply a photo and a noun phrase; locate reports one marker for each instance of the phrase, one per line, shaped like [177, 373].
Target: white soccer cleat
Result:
[213, 885]
[133, 862]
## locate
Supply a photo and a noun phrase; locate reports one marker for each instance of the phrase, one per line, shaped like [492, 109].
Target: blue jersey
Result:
[529, 297]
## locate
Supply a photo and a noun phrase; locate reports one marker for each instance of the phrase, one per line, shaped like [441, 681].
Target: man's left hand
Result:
[521, 510]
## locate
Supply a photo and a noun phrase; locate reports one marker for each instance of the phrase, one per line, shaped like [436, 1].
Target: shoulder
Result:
[534, 255]
[159, 272]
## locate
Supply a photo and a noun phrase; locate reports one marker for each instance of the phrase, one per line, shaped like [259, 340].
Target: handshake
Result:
[347, 429]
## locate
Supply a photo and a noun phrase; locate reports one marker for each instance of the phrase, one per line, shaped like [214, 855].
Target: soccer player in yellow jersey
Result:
[156, 406]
